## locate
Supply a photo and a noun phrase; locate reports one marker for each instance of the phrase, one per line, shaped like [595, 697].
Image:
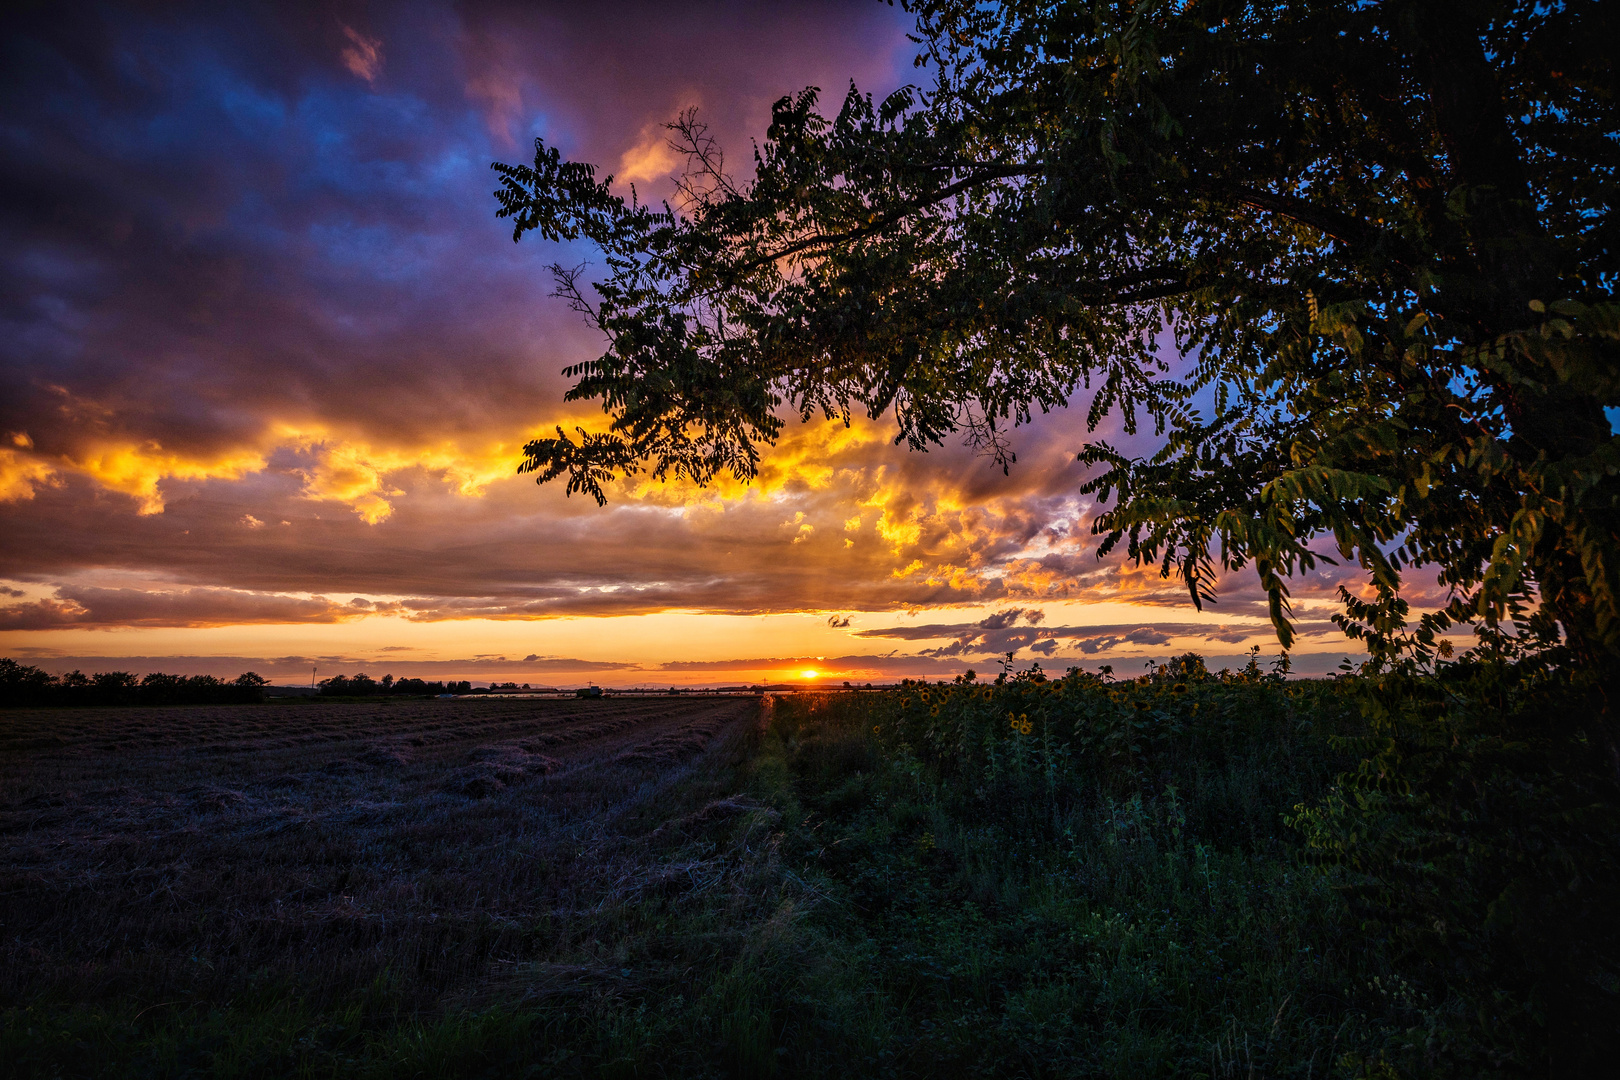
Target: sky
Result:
[268, 357]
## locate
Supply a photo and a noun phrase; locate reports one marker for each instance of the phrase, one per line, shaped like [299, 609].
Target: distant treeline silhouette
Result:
[21, 685]
[363, 685]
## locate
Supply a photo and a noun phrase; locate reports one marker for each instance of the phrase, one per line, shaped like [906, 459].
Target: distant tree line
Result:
[363, 685]
[22, 685]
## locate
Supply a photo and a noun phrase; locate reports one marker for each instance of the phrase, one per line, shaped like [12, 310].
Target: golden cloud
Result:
[136, 469]
[836, 516]
[901, 530]
[357, 473]
[19, 473]
[808, 457]
[351, 471]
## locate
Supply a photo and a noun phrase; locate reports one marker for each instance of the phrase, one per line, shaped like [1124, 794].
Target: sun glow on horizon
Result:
[810, 673]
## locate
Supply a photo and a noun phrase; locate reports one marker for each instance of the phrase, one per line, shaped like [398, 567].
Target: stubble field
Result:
[432, 851]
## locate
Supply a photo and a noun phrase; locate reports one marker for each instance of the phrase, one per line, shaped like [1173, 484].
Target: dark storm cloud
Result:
[253, 286]
[213, 222]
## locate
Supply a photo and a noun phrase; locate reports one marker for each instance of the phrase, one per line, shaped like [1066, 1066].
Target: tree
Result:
[23, 684]
[1380, 236]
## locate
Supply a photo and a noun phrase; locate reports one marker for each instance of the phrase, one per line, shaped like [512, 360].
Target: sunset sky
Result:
[269, 357]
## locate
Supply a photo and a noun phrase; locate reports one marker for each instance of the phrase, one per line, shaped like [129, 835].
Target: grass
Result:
[1015, 912]
[1070, 878]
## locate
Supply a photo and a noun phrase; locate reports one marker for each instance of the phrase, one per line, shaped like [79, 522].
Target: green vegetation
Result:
[1177, 875]
[1188, 874]
[1084, 878]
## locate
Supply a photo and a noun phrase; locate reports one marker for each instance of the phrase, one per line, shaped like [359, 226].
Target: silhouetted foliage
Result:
[23, 685]
[362, 685]
[1377, 234]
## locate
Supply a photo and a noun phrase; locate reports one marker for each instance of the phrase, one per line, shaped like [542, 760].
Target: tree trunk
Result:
[1508, 262]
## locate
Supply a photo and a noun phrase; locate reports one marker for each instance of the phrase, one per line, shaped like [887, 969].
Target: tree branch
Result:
[883, 222]
[1341, 227]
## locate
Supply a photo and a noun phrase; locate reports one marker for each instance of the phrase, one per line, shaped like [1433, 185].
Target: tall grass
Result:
[1082, 877]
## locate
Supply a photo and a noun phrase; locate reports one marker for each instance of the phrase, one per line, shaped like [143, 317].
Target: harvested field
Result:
[192, 854]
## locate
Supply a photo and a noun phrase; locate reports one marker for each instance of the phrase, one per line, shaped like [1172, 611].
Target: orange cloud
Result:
[19, 473]
[362, 56]
[136, 469]
[343, 469]
[651, 158]
[356, 472]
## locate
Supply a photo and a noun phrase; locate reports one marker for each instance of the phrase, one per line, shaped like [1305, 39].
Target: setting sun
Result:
[810, 673]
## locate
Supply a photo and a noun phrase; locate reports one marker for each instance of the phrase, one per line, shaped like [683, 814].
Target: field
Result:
[300, 850]
[1031, 879]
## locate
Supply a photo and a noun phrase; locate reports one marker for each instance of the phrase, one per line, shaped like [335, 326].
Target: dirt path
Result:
[186, 849]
